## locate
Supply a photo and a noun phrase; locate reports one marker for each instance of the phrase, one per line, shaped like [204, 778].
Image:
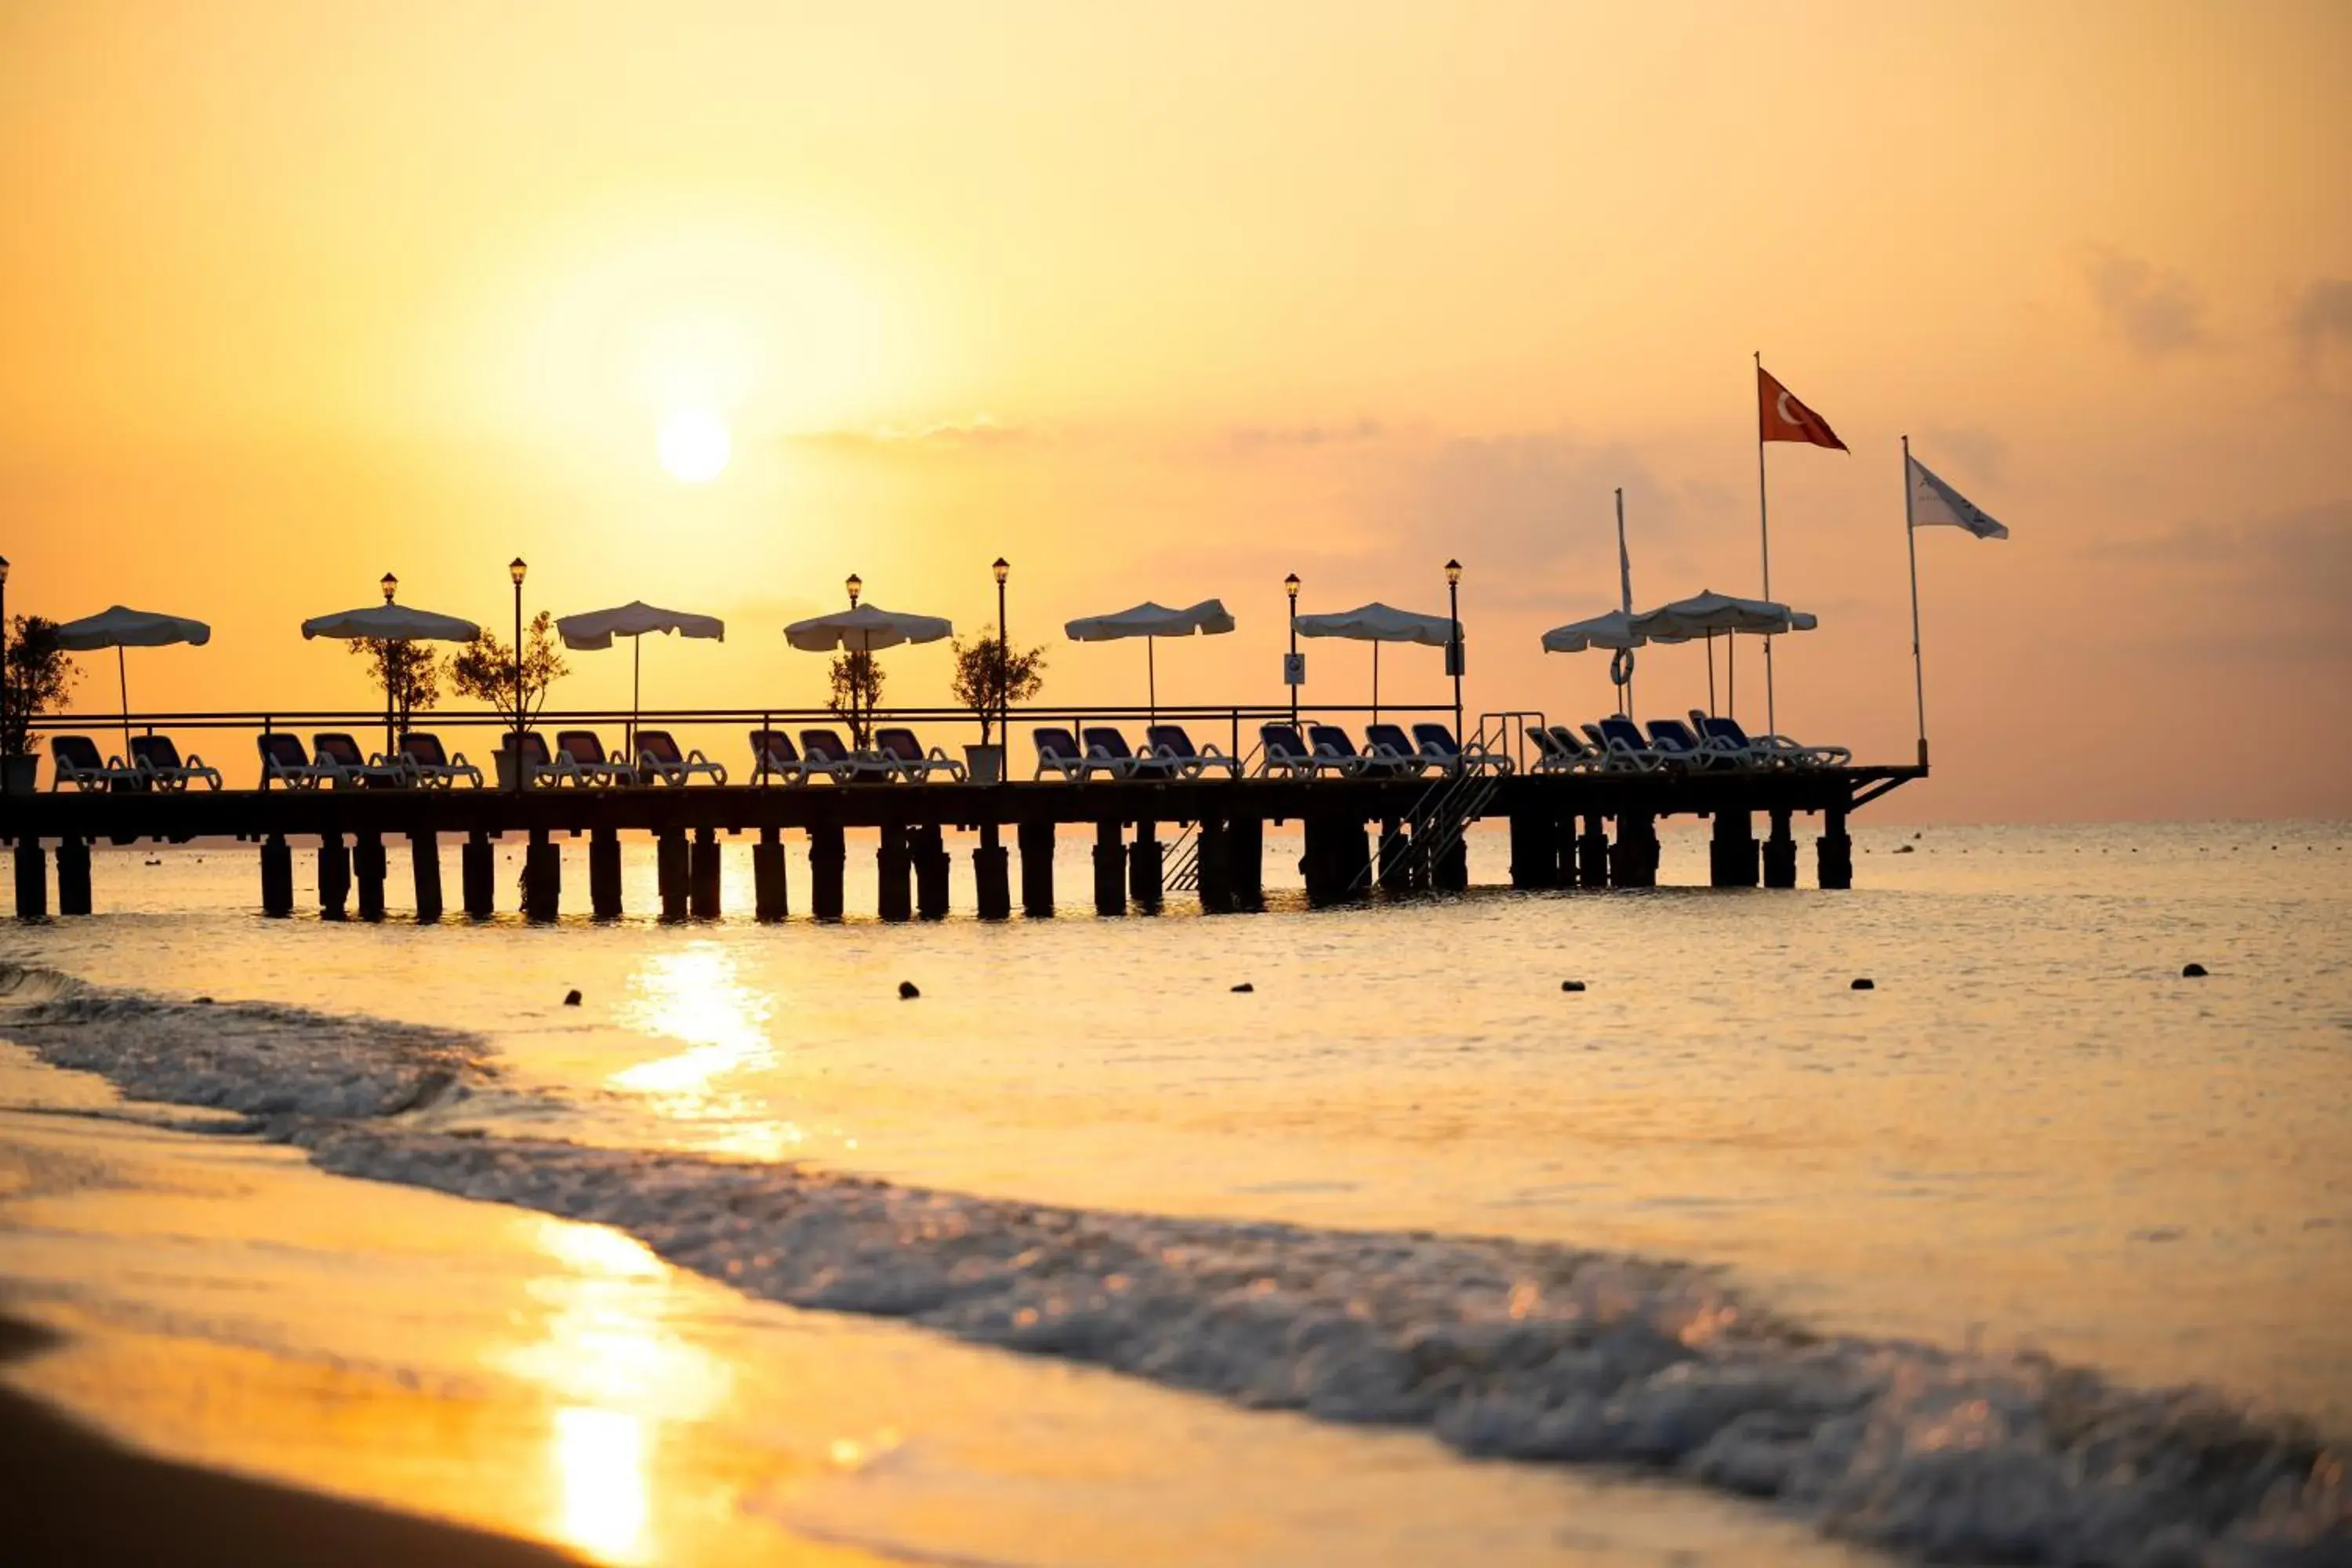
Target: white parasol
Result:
[118, 628]
[1376, 623]
[1151, 622]
[1708, 613]
[389, 622]
[864, 628]
[594, 631]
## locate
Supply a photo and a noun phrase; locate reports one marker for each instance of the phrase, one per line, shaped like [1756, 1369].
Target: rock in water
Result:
[906, 991]
[2192, 972]
[1864, 983]
[1571, 985]
[1244, 986]
[571, 998]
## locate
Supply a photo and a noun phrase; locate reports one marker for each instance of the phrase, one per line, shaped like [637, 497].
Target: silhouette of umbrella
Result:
[596, 629]
[1151, 622]
[118, 627]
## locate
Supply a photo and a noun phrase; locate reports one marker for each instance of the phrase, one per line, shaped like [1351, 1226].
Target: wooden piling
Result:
[276, 877]
[1781, 852]
[828, 856]
[73, 877]
[992, 875]
[1834, 851]
[771, 899]
[1633, 860]
[893, 864]
[477, 877]
[1245, 859]
[1592, 852]
[1535, 851]
[673, 872]
[1213, 866]
[368, 872]
[1449, 870]
[702, 871]
[334, 876]
[1731, 849]
[1111, 869]
[1036, 841]
[1147, 867]
[32, 880]
[926, 847]
[1394, 857]
[424, 873]
[542, 877]
[605, 874]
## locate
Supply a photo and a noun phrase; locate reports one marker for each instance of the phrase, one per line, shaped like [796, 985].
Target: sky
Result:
[1165, 301]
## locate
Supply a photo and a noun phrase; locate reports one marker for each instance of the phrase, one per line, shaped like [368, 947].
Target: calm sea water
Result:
[2032, 1134]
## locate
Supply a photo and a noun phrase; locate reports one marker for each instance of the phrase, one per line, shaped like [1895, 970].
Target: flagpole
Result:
[1911, 540]
[1764, 527]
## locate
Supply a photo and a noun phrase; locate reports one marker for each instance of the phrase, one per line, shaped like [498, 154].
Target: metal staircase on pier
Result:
[1435, 825]
[1183, 856]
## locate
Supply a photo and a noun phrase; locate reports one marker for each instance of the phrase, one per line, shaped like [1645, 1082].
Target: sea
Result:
[1581, 1227]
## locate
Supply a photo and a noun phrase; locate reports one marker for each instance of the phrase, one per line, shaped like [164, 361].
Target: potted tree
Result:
[484, 669]
[34, 679]
[989, 678]
[855, 691]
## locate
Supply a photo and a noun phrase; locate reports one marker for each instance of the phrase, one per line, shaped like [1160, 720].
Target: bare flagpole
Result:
[1764, 527]
[1911, 540]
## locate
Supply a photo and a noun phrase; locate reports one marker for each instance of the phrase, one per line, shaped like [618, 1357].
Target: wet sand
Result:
[70, 1495]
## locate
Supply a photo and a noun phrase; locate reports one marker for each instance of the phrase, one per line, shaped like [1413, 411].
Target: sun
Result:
[695, 445]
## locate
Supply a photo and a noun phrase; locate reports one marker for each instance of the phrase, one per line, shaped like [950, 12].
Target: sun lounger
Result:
[1171, 744]
[1286, 755]
[345, 764]
[1387, 750]
[1106, 745]
[822, 751]
[1671, 738]
[1335, 752]
[581, 757]
[74, 759]
[1778, 749]
[775, 759]
[907, 758]
[430, 765]
[161, 766]
[660, 761]
[1620, 740]
[283, 760]
[1558, 750]
[1439, 746]
[1058, 752]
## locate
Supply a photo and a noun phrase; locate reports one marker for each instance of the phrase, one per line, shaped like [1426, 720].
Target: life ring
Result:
[1621, 668]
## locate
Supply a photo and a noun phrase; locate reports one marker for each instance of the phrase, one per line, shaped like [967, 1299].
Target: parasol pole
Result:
[1151, 673]
[1376, 680]
[122, 679]
[636, 690]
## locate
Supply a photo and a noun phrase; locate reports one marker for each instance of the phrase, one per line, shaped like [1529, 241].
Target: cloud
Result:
[2280, 583]
[2322, 320]
[1262, 438]
[2156, 311]
[980, 431]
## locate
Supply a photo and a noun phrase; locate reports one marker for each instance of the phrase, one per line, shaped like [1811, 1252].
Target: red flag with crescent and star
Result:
[1783, 418]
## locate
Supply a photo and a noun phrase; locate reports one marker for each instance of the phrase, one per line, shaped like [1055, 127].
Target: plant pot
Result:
[20, 776]
[508, 766]
[984, 764]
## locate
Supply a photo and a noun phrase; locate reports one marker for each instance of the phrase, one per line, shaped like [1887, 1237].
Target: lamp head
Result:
[390, 586]
[1452, 573]
[1290, 586]
[1001, 566]
[515, 569]
[856, 584]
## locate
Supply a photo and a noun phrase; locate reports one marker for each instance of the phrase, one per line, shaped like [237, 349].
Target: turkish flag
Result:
[1780, 418]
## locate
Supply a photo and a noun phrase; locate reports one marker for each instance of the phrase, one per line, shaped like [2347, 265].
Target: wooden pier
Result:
[1200, 838]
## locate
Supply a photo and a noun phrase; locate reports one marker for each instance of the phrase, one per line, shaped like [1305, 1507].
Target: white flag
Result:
[1934, 501]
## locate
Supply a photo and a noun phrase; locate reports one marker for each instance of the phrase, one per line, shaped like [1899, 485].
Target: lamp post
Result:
[515, 569]
[1290, 586]
[4, 681]
[1003, 672]
[1453, 648]
[389, 583]
[856, 584]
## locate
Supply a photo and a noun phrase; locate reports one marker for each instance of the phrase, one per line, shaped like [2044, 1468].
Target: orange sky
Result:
[1166, 301]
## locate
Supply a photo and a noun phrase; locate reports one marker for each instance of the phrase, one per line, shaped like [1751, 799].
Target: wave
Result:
[1511, 1349]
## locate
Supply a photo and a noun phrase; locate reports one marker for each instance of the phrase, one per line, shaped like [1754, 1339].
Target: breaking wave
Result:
[1520, 1350]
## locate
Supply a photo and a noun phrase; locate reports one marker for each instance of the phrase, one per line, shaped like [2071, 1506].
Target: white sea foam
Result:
[1513, 1348]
